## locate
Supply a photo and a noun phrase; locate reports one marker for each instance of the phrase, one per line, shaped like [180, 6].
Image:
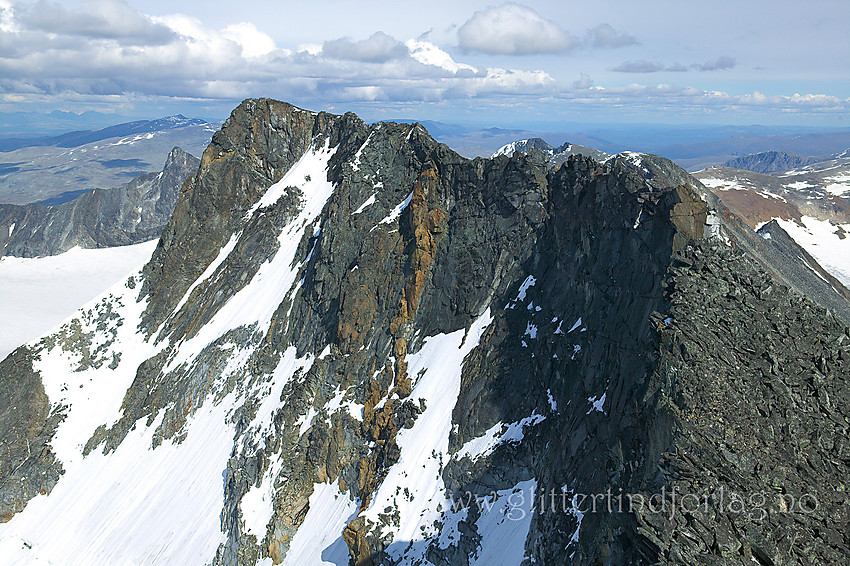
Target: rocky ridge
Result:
[557, 155]
[358, 329]
[133, 213]
[772, 161]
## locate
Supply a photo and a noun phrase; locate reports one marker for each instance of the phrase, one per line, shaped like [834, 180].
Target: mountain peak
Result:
[350, 337]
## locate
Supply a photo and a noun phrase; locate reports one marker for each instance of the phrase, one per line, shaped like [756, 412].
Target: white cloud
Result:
[583, 83]
[429, 54]
[719, 64]
[640, 66]
[311, 48]
[7, 17]
[604, 35]
[45, 57]
[118, 54]
[95, 19]
[643, 66]
[664, 95]
[513, 29]
[253, 42]
[378, 48]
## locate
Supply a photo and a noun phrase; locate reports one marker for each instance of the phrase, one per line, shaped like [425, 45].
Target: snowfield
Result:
[37, 294]
[822, 240]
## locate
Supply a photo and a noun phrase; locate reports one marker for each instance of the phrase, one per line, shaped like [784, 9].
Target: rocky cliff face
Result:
[353, 346]
[135, 212]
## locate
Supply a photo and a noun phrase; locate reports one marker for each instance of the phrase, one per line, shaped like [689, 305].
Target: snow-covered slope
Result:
[811, 203]
[37, 294]
[828, 243]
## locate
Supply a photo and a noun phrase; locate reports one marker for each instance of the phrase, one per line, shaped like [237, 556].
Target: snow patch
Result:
[319, 538]
[38, 294]
[523, 289]
[504, 526]
[821, 240]
[394, 213]
[497, 434]
[369, 202]
[552, 403]
[257, 505]
[355, 164]
[208, 272]
[597, 404]
[338, 402]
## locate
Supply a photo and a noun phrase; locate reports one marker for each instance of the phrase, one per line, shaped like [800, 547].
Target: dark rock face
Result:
[133, 213]
[636, 336]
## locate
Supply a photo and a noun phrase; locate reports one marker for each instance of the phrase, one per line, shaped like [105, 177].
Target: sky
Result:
[783, 62]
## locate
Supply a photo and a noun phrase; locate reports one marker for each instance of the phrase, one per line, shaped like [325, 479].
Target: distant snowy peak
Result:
[83, 137]
[771, 161]
[557, 155]
[176, 121]
[524, 146]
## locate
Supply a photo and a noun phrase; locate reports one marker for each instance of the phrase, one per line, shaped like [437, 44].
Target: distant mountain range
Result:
[55, 169]
[810, 202]
[779, 161]
[699, 155]
[77, 139]
[133, 213]
[43, 124]
[692, 148]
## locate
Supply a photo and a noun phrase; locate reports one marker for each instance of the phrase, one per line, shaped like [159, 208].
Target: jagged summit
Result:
[557, 155]
[367, 336]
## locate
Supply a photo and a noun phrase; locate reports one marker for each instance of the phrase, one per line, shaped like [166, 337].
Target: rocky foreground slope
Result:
[133, 213]
[353, 346]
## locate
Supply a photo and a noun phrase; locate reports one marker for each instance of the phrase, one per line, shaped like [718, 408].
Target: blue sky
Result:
[723, 62]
